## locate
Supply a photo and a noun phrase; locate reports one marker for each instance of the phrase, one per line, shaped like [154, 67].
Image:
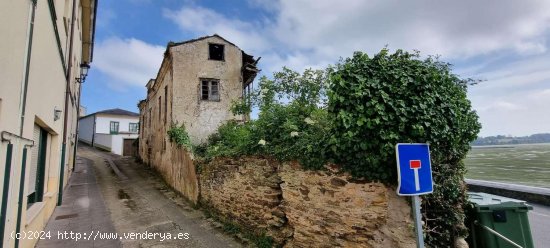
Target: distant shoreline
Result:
[537, 138]
[492, 146]
[506, 145]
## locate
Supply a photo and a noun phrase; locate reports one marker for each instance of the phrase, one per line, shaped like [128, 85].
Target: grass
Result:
[527, 164]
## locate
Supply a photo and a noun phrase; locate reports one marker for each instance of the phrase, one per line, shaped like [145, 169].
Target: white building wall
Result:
[86, 129]
[103, 137]
[112, 142]
[118, 142]
[103, 123]
[45, 94]
[103, 141]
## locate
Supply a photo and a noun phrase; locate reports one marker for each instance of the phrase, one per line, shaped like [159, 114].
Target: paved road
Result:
[124, 198]
[539, 218]
[140, 202]
[83, 211]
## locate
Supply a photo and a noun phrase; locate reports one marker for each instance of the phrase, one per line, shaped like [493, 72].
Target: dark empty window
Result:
[210, 89]
[160, 107]
[215, 51]
[165, 103]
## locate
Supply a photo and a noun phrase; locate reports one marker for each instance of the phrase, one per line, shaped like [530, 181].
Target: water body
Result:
[527, 164]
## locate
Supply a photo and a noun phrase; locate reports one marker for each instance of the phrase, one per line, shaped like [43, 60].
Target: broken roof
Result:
[171, 44]
[249, 63]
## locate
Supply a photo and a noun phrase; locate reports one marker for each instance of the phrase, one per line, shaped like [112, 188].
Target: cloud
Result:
[204, 21]
[500, 106]
[453, 29]
[129, 61]
[503, 42]
[325, 30]
[513, 75]
[519, 113]
[267, 5]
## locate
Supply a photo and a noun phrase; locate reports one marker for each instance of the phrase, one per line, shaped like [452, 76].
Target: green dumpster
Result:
[498, 222]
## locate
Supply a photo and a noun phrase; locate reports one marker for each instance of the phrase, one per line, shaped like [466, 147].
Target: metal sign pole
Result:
[418, 222]
[414, 175]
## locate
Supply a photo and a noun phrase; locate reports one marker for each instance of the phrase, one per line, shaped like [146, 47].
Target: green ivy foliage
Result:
[233, 139]
[377, 102]
[179, 135]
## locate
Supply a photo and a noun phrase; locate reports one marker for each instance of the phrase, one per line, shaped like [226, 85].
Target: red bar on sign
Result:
[415, 164]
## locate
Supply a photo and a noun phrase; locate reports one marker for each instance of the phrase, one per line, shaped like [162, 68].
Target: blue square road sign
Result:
[414, 169]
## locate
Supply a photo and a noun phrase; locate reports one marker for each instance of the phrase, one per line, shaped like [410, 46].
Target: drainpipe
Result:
[77, 123]
[27, 69]
[21, 194]
[66, 114]
[5, 193]
[7, 137]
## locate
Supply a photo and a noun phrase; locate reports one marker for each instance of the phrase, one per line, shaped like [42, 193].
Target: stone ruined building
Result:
[196, 84]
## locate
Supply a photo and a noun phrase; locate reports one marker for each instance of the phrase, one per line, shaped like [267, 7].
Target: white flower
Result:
[263, 92]
[262, 142]
[292, 134]
[309, 121]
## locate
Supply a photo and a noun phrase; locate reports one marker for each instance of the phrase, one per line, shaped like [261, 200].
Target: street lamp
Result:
[84, 67]
[56, 114]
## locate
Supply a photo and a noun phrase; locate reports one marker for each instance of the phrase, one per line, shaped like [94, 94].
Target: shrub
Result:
[232, 139]
[378, 102]
[294, 132]
[179, 135]
[292, 123]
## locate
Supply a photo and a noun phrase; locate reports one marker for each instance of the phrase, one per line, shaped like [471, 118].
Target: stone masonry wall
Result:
[177, 167]
[301, 208]
[247, 192]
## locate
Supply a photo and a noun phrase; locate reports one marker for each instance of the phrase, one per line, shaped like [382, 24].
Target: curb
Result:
[521, 192]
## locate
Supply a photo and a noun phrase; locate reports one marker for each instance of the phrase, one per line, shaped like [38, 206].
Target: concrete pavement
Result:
[111, 201]
[83, 213]
[539, 218]
[141, 203]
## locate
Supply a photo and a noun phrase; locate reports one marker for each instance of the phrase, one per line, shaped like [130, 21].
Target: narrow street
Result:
[129, 198]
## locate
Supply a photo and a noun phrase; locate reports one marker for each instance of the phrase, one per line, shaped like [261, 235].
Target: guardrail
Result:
[521, 192]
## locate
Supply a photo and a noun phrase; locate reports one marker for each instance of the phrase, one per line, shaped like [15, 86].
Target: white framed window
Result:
[133, 128]
[113, 127]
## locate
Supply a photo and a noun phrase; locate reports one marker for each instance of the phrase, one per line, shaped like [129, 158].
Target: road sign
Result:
[414, 169]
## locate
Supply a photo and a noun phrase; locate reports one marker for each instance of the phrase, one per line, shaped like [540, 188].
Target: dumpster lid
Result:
[484, 199]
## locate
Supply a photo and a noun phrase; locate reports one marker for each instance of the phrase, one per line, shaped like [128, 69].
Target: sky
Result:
[505, 43]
